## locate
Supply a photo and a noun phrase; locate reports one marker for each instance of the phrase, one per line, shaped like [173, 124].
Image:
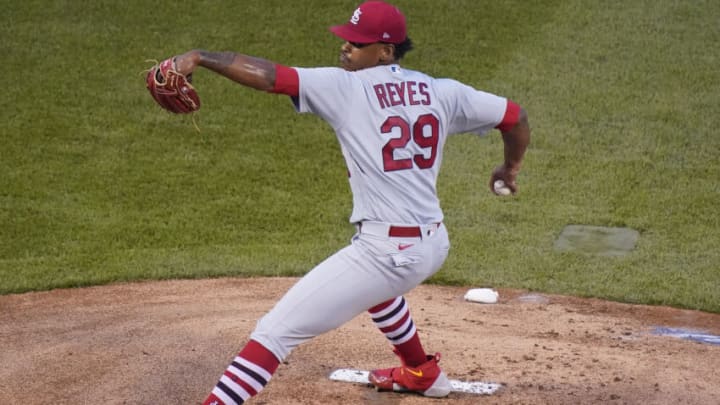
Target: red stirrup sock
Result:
[245, 377]
[393, 319]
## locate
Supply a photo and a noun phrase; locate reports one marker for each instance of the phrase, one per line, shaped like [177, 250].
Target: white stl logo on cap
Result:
[355, 19]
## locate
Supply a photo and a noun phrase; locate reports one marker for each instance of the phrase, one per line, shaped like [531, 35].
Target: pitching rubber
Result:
[466, 387]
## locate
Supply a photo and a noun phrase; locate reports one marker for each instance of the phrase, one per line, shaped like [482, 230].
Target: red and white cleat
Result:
[426, 379]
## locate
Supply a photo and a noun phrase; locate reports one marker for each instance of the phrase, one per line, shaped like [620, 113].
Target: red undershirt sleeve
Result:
[287, 81]
[512, 116]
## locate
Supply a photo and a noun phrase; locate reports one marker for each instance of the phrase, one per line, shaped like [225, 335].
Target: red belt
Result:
[405, 231]
[396, 231]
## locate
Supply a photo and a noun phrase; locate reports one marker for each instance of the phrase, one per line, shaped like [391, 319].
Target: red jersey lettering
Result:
[402, 93]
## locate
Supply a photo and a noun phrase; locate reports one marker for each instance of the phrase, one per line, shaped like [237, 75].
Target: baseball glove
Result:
[171, 89]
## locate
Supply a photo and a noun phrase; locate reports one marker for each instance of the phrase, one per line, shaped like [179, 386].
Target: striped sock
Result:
[245, 377]
[393, 319]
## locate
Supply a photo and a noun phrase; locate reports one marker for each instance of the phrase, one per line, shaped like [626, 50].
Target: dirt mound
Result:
[168, 342]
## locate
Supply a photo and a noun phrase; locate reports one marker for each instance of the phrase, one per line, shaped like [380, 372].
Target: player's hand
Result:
[507, 175]
[187, 62]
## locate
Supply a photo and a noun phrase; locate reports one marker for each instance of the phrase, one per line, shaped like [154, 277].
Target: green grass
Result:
[99, 185]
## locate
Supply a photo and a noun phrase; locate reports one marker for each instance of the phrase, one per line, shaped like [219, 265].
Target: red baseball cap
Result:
[373, 21]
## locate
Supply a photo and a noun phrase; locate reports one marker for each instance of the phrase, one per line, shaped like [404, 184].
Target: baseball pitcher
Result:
[392, 124]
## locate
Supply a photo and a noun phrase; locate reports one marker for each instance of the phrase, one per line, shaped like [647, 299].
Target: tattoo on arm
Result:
[217, 61]
[253, 72]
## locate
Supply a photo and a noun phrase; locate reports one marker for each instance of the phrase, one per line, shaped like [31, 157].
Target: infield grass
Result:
[98, 185]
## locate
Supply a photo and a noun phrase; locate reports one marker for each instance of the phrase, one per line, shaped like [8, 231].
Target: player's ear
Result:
[387, 53]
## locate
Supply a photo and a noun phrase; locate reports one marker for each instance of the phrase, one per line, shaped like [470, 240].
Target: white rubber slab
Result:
[467, 387]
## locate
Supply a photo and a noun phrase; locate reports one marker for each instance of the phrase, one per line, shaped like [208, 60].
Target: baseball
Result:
[482, 295]
[500, 188]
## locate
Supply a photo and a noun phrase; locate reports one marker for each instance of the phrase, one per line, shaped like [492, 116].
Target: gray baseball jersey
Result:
[392, 124]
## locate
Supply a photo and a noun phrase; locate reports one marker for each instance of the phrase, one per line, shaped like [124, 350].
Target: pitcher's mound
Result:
[168, 343]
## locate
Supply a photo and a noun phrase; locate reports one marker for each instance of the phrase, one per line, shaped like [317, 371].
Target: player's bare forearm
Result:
[250, 71]
[516, 141]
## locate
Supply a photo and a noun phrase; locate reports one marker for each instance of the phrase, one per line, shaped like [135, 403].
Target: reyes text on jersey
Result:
[402, 93]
